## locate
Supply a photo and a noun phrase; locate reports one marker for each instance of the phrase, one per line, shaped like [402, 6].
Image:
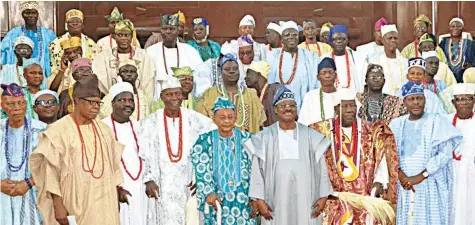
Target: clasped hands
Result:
[14, 188]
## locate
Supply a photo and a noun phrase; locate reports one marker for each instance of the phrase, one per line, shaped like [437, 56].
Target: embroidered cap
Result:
[245, 40]
[169, 20]
[422, 19]
[45, 92]
[284, 25]
[24, 40]
[13, 90]
[326, 28]
[261, 67]
[427, 38]
[182, 71]
[247, 20]
[283, 94]
[29, 5]
[381, 22]
[275, 27]
[119, 88]
[71, 42]
[74, 13]
[412, 88]
[388, 29]
[115, 15]
[417, 62]
[226, 58]
[222, 103]
[171, 82]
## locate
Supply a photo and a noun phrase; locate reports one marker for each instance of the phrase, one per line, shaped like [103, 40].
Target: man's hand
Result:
[264, 209]
[192, 188]
[415, 180]
[64, 63]
[255, 209]
[21, 187]
[406, 184]
[60, 212]
[122, 193]
[211, 200]
[152, 190]
[379, 189]
[8, 187]
[319, 206]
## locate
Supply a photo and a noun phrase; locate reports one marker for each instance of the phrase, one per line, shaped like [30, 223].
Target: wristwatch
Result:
[425, 174]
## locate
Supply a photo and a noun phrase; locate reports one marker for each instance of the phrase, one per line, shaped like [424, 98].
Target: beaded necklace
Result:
[38, 38]
[26, 146]
[454, 122]
[307, 46]
[136, 145]
[459, 58]
[18, 75]
[294, 70]
[337, 137]
[224, 92]
[174, 158]
[165, 60]
[83, 149]
[322, 110]
[348, 70]
[264, 89]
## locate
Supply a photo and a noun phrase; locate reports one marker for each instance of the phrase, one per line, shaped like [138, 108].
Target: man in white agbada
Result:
[247, 26]
[292, 66]
[463, 156]
[134, 211]
[106, 64]
[285, 156]
[273, 37]
[318, 104]
[171, 53]
[393, 63]
[346, 60]
[165, 139]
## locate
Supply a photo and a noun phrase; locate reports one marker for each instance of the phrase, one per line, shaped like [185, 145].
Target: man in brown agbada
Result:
[76, 165]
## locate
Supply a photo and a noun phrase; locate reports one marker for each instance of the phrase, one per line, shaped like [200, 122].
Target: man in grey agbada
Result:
[289, 176]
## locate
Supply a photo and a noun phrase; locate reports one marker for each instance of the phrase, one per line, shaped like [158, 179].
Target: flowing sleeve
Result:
[148, 71]
[257, 184]
[446, 139]
[325, 185]
[149, 145]
[47, 164]
[203, 78]
[201, 157]
[202, 106]
[6, 48]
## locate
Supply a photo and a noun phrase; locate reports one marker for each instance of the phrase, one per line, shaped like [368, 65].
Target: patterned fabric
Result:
[283, 94]
[169, 20]
[12, 89]
[429, 147]
[211, 51]
[410, 52]
[172, 178]
[56, 52]
[393, 107]
[376, 141]
[115, 15]
[20, 210]
[211, 171]
[223, 103]
[250, 115]
[411, 88]
[42, 39]
[466, 51]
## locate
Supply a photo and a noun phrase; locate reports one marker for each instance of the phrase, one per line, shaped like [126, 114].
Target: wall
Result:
[224, 17]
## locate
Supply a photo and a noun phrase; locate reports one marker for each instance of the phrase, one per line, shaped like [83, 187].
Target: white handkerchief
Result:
[72, 220]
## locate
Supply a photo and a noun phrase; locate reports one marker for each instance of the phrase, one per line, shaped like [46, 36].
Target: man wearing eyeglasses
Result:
[463, 155]
[106, 64]
[46, 106]
[81, 72]
[289, 178]
[19, 137]
[76, 165]
[23, 50]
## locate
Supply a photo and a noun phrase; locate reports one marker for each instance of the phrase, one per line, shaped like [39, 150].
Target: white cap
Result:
[119, 88]
[247, 20]
[23, 40]
[429, 54]
[463, 89]
[388, 28]
[456, 19]
[343, 94]
[275, 27]
[171, 82]
[284, 25]
[45, 92]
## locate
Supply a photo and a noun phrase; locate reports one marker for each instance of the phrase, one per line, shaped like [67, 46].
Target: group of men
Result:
[189, 132]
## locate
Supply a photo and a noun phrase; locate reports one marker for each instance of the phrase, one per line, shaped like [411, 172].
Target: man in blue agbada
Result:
[293, 67]
[40, 36]
[425, 143]
[289, 173]
[223, 170]
[19, 137]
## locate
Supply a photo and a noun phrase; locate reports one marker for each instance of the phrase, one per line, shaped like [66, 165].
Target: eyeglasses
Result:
[288, 106]
[46, 103]
[463, 99]
[93, 103]
[24, 50]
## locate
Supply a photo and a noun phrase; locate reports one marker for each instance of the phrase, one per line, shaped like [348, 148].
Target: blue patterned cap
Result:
[326, 63]
[226, 58]
[412, 88]
[283, 94]
[13, 90]
[223, 103]
[31, 61]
